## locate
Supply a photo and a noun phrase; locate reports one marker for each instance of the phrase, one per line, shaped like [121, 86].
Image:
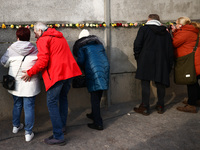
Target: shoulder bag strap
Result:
[21, 64]
[197, 43]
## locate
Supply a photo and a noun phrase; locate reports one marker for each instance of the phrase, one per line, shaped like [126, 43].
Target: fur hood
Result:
[84, 41]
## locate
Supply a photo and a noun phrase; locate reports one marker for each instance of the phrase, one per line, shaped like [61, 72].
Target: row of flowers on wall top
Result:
[79, 25]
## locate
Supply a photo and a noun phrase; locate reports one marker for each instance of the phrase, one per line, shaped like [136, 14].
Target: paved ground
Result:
[124, 130]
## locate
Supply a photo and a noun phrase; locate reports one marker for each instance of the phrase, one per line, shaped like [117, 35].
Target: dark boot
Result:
[142, 110]
[160, 109]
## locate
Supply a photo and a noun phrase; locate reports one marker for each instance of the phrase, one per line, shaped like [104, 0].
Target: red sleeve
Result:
[43, 56]
[179, 38]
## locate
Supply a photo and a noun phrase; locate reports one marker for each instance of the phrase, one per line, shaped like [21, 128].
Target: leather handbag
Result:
[184, 69]
[9, 81]
[79, 82]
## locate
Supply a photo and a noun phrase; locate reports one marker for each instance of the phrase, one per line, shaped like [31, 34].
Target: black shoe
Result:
[51, 141]
[90, 116]
[160, 109]
[94, 126]
[142, 110]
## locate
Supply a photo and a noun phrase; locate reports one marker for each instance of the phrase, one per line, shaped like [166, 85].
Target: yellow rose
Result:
[32, 25]
[104, 25]
[131, 24]
[3, 26]
[12, 26]
[77, 25]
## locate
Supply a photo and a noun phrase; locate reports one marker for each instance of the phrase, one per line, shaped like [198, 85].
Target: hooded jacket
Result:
[184, 41]
[92, 58]
[55, 59]
[13, 59]
[153, 51]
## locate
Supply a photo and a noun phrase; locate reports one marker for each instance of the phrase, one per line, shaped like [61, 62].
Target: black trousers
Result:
[95, 102]
[193, 93]
[146, 93]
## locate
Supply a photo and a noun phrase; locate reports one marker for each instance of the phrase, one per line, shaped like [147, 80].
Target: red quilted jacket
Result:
[55, 59]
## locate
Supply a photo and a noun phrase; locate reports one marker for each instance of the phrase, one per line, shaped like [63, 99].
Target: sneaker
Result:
[29, 137]
[160, 109]
[16, 129]
[94, 126]
[52, 141]
[188, 108]
[142, 110]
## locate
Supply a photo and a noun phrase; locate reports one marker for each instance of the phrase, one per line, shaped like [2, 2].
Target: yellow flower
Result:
[82, 25]
[77, 25]
[104, 25]
[3, 26]
[131, 24]
[50, 25]
[32, 25]
[57, 25]
[12, 26]
[143, 24]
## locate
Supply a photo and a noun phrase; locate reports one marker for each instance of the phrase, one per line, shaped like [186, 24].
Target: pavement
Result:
[124, 130]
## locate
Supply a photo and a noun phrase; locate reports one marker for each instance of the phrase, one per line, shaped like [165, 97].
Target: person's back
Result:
[92, 59]
[154, 47]
[153, 52]
[20, 56]
[91, 55]
[55, 57]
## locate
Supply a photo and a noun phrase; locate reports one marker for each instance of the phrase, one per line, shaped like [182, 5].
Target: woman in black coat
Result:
[153, 52]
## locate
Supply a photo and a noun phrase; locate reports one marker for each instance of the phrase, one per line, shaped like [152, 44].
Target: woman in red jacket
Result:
[184, 39]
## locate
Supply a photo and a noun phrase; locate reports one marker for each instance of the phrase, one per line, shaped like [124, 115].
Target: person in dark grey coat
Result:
[153, 51]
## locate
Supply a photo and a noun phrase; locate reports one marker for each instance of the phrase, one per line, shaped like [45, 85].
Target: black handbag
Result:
[184, 69]
[9, 81]
[79, 82]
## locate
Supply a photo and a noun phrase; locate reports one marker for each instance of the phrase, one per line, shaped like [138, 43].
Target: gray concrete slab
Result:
[124, 130]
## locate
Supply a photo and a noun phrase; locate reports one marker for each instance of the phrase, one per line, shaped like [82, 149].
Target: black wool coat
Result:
[153, 51]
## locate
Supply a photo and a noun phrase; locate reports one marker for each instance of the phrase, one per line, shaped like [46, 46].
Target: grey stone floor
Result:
[124, 130]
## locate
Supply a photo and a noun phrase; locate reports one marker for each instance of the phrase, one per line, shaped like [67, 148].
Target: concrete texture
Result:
[138, 10]
[54, 10]
[124, 130]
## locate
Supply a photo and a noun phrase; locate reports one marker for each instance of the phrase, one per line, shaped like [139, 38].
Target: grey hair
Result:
[40, 26]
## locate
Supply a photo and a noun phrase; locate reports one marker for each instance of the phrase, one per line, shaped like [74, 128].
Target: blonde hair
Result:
[183, 20]
[186, 20]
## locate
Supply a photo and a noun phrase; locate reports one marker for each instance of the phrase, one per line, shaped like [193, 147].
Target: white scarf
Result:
[153, 22]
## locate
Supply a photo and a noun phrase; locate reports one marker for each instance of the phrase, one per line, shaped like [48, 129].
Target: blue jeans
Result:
[29, 111]
[57, 104]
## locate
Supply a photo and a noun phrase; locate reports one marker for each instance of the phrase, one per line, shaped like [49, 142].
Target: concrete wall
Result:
[119, 41]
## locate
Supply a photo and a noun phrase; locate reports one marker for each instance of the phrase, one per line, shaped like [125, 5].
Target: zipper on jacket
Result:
[48, 74]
